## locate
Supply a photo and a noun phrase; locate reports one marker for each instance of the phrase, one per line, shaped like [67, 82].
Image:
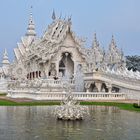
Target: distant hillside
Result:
[133, 62]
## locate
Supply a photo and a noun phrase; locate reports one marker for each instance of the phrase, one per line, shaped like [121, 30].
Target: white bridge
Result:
[50, 89]
[129, 86]
[117, 80]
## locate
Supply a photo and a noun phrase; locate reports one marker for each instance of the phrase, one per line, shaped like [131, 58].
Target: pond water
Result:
[39, 123]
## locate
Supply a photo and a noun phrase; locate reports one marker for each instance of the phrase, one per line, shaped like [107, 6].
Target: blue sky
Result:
[105, 17]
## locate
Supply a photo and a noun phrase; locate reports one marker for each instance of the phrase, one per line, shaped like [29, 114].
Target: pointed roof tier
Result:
[31, 27]
[5, 60]
[57, 30]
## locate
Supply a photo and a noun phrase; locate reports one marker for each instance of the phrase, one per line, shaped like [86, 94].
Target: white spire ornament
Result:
[5, 61]
[113, 41]
[95, 42]
[31, 26]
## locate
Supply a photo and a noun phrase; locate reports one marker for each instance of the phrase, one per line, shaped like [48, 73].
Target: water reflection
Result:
[103, 123]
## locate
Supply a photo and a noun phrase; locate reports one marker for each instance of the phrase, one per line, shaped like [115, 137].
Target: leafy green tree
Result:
[133, 62]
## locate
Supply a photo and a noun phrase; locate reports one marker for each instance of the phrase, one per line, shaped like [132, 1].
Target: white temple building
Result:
[43, 64]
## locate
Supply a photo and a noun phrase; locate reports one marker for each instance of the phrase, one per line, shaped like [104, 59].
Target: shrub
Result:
[136, 105]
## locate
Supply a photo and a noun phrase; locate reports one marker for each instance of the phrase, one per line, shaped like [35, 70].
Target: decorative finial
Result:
[95, 42]
[95, 38]
[65, 17]
[122, 52]
[31, 14]
[53, 15]
[5, 52]
[113, 40]
[69, 18]
[60, 15]
[31, 11]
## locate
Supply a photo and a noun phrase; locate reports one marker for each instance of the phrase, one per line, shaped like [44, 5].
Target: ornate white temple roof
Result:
[59, 33]
[47, 46]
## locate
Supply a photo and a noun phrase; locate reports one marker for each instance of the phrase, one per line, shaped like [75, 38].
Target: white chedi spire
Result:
[5, 61]
[95, 42]
[96, 54]
[113, 43]
[31, 26]
[112, 47]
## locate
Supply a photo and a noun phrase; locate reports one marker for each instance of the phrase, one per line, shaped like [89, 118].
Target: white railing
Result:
[58, 81]
[83, 96]
[17, 84]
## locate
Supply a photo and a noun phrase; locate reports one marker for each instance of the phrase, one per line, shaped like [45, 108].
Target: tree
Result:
[133, 62]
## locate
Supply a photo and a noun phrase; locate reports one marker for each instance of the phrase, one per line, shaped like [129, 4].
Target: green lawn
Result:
[124, 106]
[3, 94]
[4, 102]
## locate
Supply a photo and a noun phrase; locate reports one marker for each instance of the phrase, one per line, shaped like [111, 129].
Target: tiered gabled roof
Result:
[59, 34]
[47, 46]
[53, 39]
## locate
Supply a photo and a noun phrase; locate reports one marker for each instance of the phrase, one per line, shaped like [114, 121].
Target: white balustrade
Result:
[83, 96]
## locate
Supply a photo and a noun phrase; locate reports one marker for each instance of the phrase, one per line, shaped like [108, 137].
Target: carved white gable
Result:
[69, 41]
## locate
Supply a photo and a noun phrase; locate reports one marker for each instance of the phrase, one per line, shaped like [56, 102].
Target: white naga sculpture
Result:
[41, 64]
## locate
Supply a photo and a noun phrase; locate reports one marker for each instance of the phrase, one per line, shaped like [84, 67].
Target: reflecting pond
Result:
[39, 123]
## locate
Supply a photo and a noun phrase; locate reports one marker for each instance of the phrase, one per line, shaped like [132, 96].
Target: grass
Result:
[4, 102]
[3, 94]
[124, 106]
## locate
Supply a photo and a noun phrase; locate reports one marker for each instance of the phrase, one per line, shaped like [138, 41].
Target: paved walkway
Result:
[16, 100]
